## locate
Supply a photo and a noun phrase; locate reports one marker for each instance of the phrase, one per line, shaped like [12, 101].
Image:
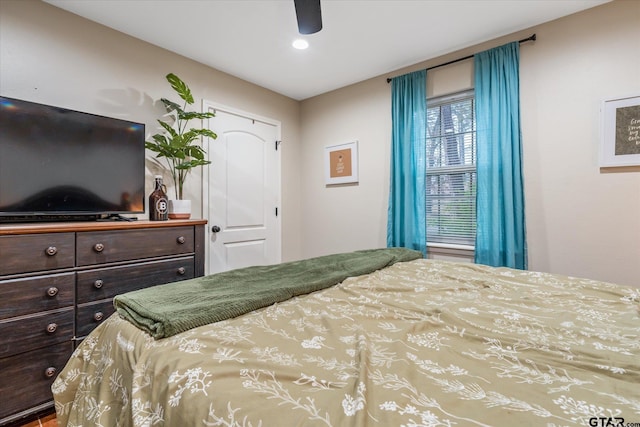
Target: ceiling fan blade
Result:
[309, 16]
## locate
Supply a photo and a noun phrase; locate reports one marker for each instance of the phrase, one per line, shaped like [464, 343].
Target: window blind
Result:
[451, 170]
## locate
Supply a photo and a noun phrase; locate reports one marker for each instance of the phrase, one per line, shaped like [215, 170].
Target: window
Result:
[451, 170]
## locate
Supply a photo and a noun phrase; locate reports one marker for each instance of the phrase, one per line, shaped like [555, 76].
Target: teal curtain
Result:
[500, 235]
[406, 224]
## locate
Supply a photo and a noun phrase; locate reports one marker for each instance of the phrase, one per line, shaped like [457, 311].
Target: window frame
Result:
[444, 248]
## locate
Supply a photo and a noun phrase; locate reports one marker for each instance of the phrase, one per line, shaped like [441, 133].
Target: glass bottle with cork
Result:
[158, 203]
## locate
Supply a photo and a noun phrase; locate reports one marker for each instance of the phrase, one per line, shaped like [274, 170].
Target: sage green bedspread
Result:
[166, 310]
[419, 343]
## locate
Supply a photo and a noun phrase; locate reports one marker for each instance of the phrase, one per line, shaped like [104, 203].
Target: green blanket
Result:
[169, 309]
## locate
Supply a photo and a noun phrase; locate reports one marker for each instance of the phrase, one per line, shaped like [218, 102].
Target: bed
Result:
[414, 343]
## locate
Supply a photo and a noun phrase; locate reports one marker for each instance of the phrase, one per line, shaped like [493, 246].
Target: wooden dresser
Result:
[57, 282]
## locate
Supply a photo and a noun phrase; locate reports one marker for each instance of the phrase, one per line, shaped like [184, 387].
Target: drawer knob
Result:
[52, 327]
[98, 316]
[182, 271]
[50, 372]
[52, 291]
[98, 247]
[51, 250]
[98, 284]
[181, 240]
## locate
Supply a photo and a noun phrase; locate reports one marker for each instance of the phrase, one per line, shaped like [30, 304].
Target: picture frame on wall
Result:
[341, 163]
[620, 141]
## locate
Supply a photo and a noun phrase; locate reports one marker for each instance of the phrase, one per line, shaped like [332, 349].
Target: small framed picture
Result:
[341, 163]
[620, 142]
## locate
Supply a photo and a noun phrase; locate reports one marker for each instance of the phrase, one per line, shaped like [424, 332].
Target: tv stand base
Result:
[47, 218]
[116, 217]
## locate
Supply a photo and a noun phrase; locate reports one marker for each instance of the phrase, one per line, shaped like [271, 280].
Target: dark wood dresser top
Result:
[61, 227]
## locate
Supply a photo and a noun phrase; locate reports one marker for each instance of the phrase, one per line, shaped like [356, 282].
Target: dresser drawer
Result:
[100, 247]
[32, 332]
[36, 252]
[34, 294]
[102, 283]
[88, 316]
[27, 378]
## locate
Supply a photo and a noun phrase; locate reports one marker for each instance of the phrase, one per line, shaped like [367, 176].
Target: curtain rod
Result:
[530, 38]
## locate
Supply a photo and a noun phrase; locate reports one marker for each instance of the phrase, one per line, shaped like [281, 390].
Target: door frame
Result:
[206, 175]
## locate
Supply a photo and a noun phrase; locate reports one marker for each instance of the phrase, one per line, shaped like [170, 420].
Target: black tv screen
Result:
[56, 162]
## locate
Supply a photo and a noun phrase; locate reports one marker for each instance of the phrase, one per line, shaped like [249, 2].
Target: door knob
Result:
[215, 228]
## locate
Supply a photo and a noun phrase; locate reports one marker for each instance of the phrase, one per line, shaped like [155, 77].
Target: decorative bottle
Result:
[158, 203]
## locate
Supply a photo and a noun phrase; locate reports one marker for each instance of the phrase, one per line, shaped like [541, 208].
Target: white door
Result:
[243, 190]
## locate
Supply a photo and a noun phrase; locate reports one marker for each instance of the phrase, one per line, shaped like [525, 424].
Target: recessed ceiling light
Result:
[300, 44]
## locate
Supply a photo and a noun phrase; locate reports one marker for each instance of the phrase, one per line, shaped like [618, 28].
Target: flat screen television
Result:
[61, 164]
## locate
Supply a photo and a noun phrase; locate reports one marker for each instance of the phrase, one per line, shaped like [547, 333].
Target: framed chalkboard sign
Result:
[620, 142]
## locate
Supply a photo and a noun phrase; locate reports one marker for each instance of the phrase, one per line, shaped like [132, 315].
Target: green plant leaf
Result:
[152, 146]
[195, 152]
[190, 115]
[202, 132]
[180, 87]
[171, 106]
[159, 138]
[169, 128]
[178, 143]
[189, 137]
[192, 164]
[206, 132]
[159, 141]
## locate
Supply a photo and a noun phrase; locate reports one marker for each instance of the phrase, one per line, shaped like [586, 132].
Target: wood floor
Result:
[45, 421]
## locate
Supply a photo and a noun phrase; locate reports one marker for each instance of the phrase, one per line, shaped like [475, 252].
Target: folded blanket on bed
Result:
[169, 309]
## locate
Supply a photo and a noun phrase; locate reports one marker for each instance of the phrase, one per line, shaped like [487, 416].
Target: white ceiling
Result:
[360, 39]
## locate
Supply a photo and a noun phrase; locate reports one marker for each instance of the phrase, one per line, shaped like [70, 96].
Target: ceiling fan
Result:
[309, 16]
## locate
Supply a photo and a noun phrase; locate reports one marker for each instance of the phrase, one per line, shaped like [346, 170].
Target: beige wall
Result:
[51, 56]
[581, 220]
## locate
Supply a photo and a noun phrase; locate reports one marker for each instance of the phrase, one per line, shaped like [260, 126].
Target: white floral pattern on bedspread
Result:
[422, 343]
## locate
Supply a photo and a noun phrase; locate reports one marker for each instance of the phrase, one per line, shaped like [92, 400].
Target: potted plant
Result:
[178, 144]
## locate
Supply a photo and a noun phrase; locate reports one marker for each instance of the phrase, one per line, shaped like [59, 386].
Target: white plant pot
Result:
[179, 209]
